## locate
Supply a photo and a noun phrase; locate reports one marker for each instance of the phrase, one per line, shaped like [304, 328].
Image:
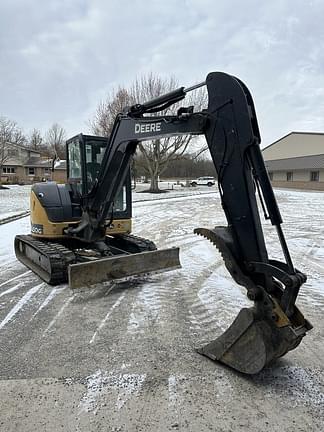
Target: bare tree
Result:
[55, 140]
[107, 111]
[157, 154]
[35, 139]
[10, 134]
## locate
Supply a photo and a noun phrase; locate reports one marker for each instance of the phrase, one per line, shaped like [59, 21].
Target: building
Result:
[296, 160]
[24, 165]
[59, 173]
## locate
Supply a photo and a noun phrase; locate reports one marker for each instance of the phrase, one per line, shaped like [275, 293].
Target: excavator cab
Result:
[84, 155]
[57, 207]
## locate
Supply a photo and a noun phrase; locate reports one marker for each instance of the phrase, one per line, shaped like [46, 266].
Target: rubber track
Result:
[58, 257]
[140, 243]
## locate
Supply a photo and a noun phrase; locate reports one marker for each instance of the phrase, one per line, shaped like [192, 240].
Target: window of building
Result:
[314, 176]
[289, 176]
[270, 175]
[8, 170]
[31, 171]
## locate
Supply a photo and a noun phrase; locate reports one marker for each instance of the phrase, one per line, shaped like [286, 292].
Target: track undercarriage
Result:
[79, 264]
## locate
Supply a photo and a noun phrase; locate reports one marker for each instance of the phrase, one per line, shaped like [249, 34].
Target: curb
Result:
[14, 217]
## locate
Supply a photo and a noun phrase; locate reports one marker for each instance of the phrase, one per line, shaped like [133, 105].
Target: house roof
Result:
[61, 166]
[296, 163]
[38, 162]
[24, 147]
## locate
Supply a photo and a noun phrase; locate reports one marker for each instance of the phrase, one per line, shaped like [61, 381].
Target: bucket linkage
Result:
[258, 334]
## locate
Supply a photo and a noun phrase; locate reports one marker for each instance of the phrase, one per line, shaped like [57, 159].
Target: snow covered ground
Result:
[14, 200]
[122, 357]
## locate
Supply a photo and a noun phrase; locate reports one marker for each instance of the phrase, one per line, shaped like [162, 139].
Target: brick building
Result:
[59, 172]
[23, 165]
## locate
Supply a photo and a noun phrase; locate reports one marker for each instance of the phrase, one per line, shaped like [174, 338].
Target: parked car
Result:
[205, 181]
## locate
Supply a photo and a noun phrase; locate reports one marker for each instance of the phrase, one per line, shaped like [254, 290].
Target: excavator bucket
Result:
[251, 343]
[121, 266]
[259, 334]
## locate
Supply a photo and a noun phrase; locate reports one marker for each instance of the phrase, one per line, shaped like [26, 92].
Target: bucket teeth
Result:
[207, 233]
[221, 237]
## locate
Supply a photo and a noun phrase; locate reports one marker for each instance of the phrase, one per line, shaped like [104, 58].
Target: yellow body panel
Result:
[42, 227]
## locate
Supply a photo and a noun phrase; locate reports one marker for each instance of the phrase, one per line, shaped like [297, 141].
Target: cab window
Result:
[94, 152]
[75, 168]
[120, 200]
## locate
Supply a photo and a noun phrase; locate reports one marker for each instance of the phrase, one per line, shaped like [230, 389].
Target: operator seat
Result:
[93, 169]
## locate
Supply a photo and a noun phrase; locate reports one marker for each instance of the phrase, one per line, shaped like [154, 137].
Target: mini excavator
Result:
[81, 230]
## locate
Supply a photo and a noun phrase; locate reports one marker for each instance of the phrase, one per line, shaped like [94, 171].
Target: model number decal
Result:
[37, 229]
[147, 127]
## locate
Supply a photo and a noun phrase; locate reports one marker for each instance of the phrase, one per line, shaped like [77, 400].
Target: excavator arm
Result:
[273, 325]
[129, 129]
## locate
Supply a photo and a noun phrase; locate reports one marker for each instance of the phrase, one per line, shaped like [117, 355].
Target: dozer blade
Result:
[121, 266]
[258, 334]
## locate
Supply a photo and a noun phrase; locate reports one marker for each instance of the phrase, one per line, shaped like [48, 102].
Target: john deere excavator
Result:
[112, 252]
[81, 229]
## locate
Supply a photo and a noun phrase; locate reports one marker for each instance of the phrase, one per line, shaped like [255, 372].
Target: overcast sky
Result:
[59, 58]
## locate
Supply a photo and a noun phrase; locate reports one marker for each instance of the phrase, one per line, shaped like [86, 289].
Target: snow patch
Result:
[14, 200]
[145, 310]
[222, 298]
[173, 387]
[127, 386]
[295, 384]
[7, 234]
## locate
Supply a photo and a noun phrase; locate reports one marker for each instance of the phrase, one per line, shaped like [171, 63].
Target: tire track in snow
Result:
[59, 313]
[50, 296]
[15, 278]
[21, 303]
[162, 302]
[12, 289]
[104, 320]
[147, 306]
[209, 295]
[159, 302]
[200, 318]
